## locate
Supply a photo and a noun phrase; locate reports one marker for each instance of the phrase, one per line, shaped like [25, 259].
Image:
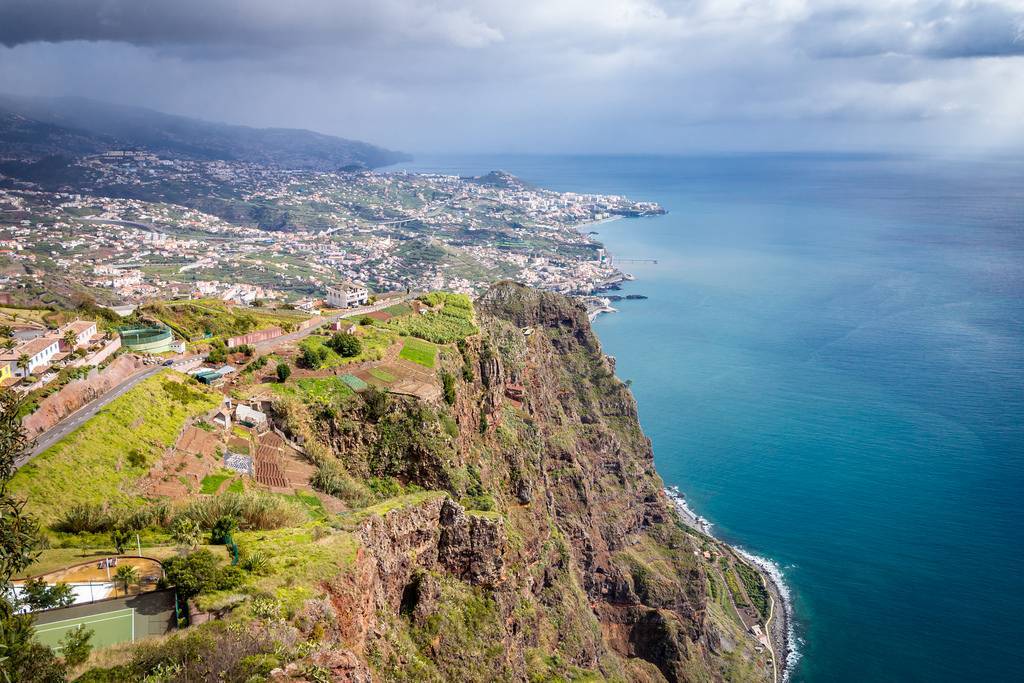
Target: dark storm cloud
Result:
[537, 75]
[241, 23]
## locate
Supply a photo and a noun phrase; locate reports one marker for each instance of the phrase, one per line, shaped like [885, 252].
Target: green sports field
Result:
[110, 628]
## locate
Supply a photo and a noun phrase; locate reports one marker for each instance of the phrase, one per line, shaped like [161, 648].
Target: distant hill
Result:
[71, 126]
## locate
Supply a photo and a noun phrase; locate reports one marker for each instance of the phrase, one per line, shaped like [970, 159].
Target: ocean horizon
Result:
[830, 365]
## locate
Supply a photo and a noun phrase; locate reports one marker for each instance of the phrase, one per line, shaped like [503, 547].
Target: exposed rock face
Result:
[582, 567]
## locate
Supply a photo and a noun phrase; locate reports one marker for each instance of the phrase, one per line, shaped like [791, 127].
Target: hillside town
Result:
[138, 227]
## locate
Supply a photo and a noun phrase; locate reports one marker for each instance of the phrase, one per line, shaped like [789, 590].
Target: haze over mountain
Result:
[74, 125]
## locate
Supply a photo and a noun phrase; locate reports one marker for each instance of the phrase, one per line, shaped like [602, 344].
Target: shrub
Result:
[136, 459]
[333, 480]
[375, 403]
[201, 572]
[253, 510]
[313, 357]
[345, 345]
[481, 501]
[255, 563]
[37, 594]
[448, 382]
[83, 518]
[218, 352]
[120, 537]
[222, 530]
[185, 531]
[284, 371]
[76, 645]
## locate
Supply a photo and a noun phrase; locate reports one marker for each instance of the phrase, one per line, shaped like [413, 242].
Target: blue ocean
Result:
[830, 363]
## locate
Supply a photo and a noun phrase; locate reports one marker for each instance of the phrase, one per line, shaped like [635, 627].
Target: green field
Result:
[91, 463]
[316, 389]
[382, 375]
[419, 351]
[374, 340]
[211, 482]
[110, 628]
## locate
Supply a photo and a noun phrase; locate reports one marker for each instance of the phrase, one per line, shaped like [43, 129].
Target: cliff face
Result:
[572, 566]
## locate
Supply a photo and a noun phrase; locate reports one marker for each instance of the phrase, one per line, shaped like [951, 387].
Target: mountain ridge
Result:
[40, 127]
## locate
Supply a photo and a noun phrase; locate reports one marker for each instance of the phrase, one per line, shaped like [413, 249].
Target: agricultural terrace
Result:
[204, 318]
[99, 461]
[419, 351]
[449, 319]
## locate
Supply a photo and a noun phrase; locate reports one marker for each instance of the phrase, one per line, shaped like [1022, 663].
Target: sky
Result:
[578, 76]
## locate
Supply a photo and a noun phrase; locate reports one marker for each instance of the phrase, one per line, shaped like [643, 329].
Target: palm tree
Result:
[6, 331]
[71, 339]
[23, 362]
[127, 574]
[8, 343]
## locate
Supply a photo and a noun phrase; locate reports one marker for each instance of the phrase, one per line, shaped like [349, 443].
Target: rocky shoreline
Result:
[780, 622]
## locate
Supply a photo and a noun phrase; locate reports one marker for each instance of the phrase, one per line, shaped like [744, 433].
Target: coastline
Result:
[781, 639]
[779, 625]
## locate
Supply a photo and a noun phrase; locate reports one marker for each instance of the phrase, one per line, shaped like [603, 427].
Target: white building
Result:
[84, 331]
[346, 295]
[39, 351]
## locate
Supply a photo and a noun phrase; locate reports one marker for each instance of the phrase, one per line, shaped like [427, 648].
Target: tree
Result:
[37, 595]
[127, 574]
[62, 595]
[6, 331]
[284, 371]
[76, 645]
[312, 356]
[186, 532]
[345, 345]
[200, 572]
[376, 403]
[218, 352]
[23, 362]
[120, 537]
[71, 339]
[8, 343]
[21, 657]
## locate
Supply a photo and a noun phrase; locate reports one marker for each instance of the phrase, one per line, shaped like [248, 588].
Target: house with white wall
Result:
[40, 352]
[346, 295]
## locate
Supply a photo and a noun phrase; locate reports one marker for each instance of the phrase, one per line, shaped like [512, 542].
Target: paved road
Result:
[78, 418]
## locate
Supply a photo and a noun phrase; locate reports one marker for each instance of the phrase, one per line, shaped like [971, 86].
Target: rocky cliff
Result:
[530, 538]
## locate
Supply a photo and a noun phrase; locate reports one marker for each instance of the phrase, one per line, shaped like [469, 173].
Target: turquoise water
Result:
[831, 368]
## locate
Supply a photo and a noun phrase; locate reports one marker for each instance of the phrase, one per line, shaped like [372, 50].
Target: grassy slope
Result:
[91, 463]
